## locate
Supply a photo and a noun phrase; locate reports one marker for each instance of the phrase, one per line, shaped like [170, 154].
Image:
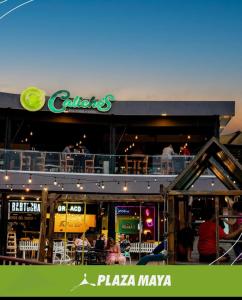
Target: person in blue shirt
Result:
[158, 254]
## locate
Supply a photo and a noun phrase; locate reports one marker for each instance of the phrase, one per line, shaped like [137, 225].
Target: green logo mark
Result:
[32, 99]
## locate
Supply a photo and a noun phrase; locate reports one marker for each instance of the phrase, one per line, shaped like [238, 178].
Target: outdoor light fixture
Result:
[81, 188]
[6, 177]
[31, 133]
[22, 197]
[212, 183]
[125, 188]
[84, 136]
[136, 137]
[30, 179]
[45, 188]
[78, 184]
[55, 182]
[148, 186]
[27, 189]
[62, 187]
[103, 186]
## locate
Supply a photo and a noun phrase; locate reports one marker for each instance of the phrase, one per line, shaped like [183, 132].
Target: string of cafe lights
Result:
[80, 184]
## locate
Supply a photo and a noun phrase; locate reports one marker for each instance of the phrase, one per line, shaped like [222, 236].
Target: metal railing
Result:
[24, 160]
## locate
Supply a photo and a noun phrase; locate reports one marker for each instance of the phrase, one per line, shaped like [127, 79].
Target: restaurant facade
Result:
[112, 179]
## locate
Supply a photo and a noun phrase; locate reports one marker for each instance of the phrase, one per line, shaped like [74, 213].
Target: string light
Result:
[125, 188]
[30, 179]
[6, 177]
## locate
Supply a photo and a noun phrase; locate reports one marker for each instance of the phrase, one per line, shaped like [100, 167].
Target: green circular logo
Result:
[32, 99]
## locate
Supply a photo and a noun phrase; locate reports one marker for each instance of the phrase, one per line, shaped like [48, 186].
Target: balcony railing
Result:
[92, 163]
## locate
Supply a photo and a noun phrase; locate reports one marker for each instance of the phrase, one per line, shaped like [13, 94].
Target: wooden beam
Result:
[42, 238]
[206, 193]
[110, 198]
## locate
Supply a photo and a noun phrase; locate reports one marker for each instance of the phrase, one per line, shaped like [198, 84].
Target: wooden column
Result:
[51, 230]
[171, 229]
[42, 239]
[181, 208]
[217, 225]
[4, 224]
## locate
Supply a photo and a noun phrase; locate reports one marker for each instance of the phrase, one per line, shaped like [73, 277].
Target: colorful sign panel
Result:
[73, 222]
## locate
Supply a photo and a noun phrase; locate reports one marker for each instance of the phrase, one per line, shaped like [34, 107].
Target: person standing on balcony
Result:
[68, 149]
[167, 152]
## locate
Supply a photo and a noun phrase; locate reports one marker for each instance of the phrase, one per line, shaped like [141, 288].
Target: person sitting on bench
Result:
[158, 254]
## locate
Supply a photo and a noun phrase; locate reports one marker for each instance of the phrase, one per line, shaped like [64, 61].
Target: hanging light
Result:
[103, 186]
[125, 188]
[212, 183]
[136, 137]
[27, 189]
[22, 197]
[45, 188]
[11, 188]
[133, 144]
[6, 177]
[62, 187]
[55, 182]
[148, 186]
[30, 179]
[78, 184]
[31, 133]
[84, 136]
[81, 187]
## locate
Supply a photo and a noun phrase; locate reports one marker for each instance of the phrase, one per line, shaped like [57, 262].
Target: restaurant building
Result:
[111, 181]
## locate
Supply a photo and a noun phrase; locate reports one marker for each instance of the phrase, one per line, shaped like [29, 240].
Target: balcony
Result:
[137, 164]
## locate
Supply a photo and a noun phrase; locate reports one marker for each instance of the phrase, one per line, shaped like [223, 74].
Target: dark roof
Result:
[219, 160]
[225, 109]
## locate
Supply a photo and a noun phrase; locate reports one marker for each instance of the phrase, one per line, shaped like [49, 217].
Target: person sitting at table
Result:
[158, 254]
[81, 244]
[114, 254]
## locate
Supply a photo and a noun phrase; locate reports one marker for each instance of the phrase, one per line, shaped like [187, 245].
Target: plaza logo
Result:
[123, 280]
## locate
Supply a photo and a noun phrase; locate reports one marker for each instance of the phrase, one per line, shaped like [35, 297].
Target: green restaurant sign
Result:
[33, 99]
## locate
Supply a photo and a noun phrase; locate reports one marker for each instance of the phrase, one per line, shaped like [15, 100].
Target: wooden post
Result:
[181, 208]
[217, 225]
[41, 254]
[171, 229]
[51, 231]
[84, 232]
[3, 224]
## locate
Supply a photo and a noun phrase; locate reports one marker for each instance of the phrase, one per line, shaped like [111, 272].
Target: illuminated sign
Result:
[71, 208]
[33, 99]
[24, 207]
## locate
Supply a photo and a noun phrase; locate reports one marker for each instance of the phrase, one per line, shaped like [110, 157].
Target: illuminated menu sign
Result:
[24, 207]
[71, 208]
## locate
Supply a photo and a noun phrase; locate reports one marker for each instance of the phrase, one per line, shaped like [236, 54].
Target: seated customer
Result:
[158, 254]
[124, 244]
[207, 238]
[114, 254]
